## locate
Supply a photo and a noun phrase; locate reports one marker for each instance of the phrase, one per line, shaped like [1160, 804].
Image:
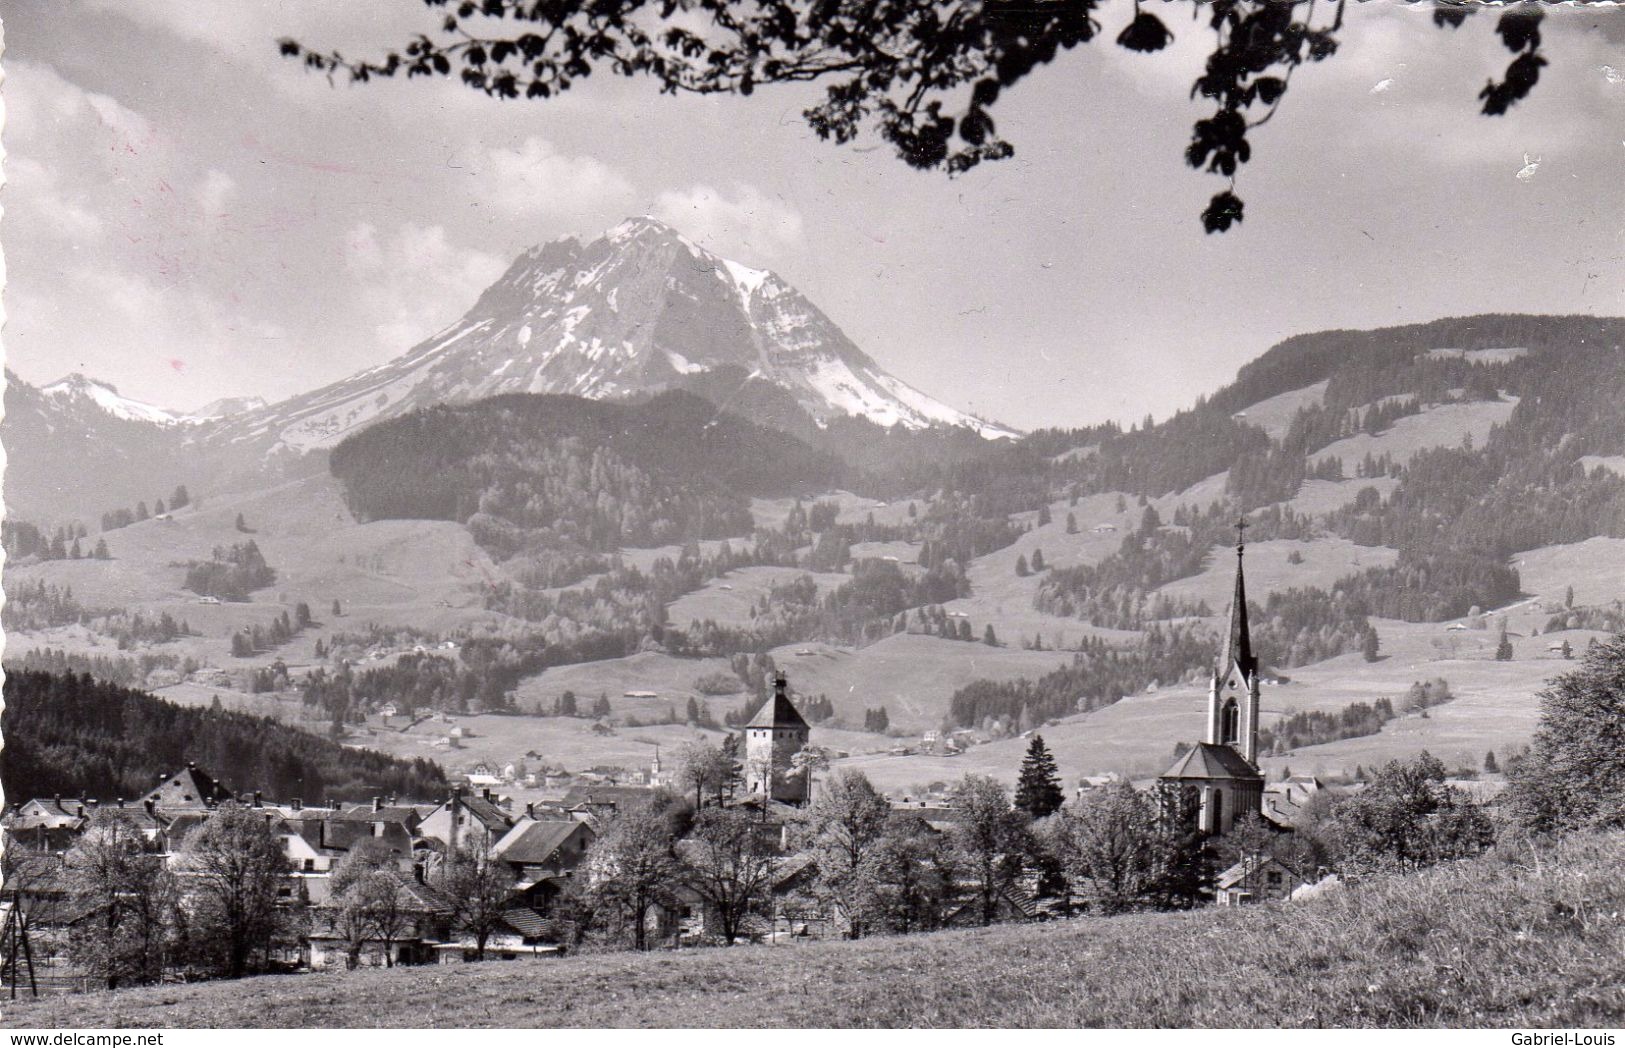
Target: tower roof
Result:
[189, 788]
[779, 711]
[1238, 643]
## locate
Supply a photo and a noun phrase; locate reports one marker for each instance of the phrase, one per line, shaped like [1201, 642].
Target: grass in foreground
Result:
[1523, 937]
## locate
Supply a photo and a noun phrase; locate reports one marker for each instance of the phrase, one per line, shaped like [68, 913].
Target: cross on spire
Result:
[1241, 534]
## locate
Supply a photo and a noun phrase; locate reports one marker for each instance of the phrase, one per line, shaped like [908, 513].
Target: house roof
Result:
[525, 921]
[778, 711]
[1207, 760]
[1253, 864]
[615, 796]
[535, 842]
[189, 788]
[488, 813]
[401, 813]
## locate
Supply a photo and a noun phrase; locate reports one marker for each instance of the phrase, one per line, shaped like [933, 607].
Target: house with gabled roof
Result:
[1257, 878]
[466, 820]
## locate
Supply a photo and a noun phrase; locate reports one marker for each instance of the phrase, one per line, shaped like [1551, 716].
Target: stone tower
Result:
[775, 734]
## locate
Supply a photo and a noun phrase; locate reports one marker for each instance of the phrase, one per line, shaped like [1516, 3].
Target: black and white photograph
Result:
[813, 514]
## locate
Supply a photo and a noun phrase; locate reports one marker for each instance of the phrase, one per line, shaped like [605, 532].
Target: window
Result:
[1275, 877]
[1230, 723]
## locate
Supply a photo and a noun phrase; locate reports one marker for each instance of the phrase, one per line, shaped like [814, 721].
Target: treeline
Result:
[112, 520]
[69, 734]
[1098, 676]
[109, 669]
[22, 540]
[232, 573]
[41, 605]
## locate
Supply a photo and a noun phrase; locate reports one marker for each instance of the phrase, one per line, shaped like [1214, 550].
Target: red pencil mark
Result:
[177, 363]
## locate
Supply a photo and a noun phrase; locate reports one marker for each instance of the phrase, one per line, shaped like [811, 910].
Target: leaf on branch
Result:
[1223, 211]
[1146, 34]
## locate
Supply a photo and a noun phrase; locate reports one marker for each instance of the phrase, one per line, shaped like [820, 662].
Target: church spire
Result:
[1238, 648]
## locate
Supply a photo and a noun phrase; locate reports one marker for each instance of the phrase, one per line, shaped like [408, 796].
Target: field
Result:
[1529, 937]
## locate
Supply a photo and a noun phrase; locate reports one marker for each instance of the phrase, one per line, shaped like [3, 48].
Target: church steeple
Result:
[1232, 708]
[1238, 647]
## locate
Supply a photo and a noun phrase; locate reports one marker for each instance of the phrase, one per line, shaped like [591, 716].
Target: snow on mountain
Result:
[226, 407]
[630, 312]
[77, 389]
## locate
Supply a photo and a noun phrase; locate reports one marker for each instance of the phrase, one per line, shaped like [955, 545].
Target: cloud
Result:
[748, 225]
[535, 180]
[414, 281]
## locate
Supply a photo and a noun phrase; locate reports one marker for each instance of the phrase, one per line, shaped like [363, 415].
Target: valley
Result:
[576, 581]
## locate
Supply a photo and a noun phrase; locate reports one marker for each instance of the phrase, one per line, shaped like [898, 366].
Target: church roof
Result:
[1207, 760]
[779, 711]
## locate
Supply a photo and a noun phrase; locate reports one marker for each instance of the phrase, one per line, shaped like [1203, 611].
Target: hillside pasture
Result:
[1438, 426]
[1316, 498]
[1274, 415]
[728, 600]
[1595, 568]
[1269, 569]
[912, 675]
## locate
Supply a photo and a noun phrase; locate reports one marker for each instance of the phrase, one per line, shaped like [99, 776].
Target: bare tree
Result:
[480, 885]
[992, 838]
[365, 904]
[232, 866]
[117, 876]
[632, 869]
[844, 827]
[1109, 846]
[730, 862]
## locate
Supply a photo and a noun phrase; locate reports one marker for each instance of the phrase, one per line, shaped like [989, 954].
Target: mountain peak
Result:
[639, 309]
[77, 386]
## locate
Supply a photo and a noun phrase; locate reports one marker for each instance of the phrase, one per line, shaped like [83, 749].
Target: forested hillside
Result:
[564, 473]
[72, 735]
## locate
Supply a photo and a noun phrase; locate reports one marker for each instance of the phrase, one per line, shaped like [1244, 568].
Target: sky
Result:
[189, 216]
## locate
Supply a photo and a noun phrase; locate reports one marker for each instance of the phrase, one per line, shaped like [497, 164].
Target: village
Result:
[752, 842]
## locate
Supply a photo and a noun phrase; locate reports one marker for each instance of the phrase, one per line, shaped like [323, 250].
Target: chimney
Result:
[191, 765]
[121, 803]
[257, 798]
[530, 811]
[330, 804]
[417, 872]
[377, 804]
[81, 811]
[781, 685]
[296, 804]
[486, 792]
[151, 806]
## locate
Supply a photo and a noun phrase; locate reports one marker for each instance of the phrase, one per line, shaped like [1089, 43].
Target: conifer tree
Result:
[1021, 566]
[989, 637]
[1071, 523]
[1038, 788]
[1038, 560]
[1369, 644]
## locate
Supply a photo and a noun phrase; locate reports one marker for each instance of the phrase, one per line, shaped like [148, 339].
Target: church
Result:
[1222, 771]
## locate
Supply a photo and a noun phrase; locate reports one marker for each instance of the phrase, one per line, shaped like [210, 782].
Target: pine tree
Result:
[336, 609]
[1369, 644]
[989, 637]
[1038, 788]
[101, 550]
[241, 524]
[1071, 523]
[1568, 597]
[1491, 765]
[1043, 514]
[567, 705]
[1038, 560]
[1021, 566]
[180, 497]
